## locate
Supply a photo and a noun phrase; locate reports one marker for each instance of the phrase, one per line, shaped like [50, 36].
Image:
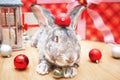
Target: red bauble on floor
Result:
[21, 61]
[95, 55]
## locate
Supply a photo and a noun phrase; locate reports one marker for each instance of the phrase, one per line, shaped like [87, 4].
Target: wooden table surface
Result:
[107, 69]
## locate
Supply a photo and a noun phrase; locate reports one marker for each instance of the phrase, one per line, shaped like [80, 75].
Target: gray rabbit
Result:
[57, 45]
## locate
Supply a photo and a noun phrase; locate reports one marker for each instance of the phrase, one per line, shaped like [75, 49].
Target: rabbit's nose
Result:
[53, 58]
[69, 61]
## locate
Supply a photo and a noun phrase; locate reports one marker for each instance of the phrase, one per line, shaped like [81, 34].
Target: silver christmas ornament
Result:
[116, 51]
[5, 50]
[57, 73]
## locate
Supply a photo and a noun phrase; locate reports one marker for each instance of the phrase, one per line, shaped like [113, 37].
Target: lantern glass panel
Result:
[10, 20]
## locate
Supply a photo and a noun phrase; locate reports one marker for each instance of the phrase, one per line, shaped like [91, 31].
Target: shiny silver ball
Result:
[5, 50]
[116, 52]
[57, 73]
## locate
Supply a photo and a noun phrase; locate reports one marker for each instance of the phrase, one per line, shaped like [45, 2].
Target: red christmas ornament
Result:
[63, 19]
[95, 55]
[21, 61]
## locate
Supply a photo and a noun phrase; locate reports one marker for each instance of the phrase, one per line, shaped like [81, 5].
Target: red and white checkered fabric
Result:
[110, 13]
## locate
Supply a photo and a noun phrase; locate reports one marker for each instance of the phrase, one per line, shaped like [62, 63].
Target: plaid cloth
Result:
[110, 13]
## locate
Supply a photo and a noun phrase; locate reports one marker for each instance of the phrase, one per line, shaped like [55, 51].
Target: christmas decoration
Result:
[63, 19]
[116, 51]
[5, 50]
[57, 73]
[21, 61]
[95, 19]
[10, 23]
[95, 55]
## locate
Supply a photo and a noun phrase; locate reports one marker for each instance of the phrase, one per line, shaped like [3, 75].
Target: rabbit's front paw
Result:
[42, 68]
[69, 72]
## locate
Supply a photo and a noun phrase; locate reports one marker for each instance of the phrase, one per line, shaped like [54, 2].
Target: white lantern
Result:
[10, 23]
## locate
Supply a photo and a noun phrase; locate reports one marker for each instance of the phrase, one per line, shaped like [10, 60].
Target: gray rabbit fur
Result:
[57, 45]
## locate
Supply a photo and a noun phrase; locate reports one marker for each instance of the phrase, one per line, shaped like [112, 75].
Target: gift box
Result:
[100, 21]
[101, 18]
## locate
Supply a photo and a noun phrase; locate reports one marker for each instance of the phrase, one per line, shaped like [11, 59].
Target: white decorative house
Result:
[10, 23]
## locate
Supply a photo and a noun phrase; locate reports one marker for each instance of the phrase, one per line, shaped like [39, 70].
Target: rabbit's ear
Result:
[75, 14]
[43, 16]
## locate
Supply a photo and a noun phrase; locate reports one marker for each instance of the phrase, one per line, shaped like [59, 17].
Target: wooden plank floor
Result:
[107, 69]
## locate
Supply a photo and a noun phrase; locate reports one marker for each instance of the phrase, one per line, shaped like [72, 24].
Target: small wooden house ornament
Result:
[10, 23]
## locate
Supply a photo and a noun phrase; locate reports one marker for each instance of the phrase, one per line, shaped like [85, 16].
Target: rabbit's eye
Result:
[56, 39]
